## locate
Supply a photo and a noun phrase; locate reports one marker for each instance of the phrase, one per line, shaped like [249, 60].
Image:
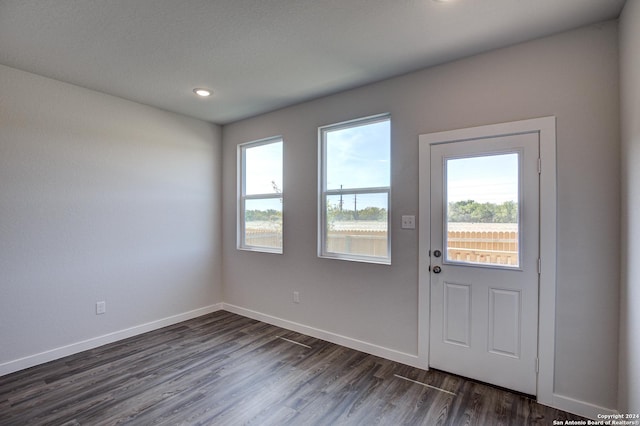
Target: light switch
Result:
[408, 222]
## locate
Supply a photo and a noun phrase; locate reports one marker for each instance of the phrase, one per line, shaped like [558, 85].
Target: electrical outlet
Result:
[408, 222]
[296, 297]
[101, 307]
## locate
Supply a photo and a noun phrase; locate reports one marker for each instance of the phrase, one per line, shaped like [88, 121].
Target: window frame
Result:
[323, 193]
[242, 197]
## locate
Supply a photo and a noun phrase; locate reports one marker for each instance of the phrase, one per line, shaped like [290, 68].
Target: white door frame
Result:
[546, 128]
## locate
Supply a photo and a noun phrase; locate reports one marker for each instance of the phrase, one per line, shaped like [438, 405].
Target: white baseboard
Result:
[580, 408]
[359, 345]
[94, 342]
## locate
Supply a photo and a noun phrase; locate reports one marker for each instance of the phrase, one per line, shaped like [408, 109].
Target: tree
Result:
[334, 213]
[471, 211]
[263, 215]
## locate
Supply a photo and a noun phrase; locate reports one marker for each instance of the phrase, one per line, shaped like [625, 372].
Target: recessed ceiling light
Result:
[202, 92]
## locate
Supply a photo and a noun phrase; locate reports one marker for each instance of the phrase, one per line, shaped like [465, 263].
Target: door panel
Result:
[504, 322]
[484, 285]
[457, 314]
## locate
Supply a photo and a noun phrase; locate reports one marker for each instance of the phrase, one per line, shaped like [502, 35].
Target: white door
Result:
[484, 263]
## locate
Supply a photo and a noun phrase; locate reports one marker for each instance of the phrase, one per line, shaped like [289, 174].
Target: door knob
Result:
[437, 269]
[437, 253]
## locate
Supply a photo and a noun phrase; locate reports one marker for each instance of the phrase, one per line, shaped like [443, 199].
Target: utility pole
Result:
[355, 206]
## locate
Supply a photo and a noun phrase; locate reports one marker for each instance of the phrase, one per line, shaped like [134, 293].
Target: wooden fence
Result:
[365, 243]
[487, 246]
[263, 238]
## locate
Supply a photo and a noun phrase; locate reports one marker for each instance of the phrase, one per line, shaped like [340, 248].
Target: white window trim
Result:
[323, 193]
[242, 197]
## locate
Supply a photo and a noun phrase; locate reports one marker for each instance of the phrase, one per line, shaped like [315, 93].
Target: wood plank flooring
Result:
[225, 369]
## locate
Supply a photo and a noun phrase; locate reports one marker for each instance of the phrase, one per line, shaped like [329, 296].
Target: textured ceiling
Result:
[260, 55]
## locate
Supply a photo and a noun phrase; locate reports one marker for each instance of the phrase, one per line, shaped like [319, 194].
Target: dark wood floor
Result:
[225, 369]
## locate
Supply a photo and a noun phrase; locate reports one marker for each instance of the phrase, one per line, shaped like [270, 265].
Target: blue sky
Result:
[356, 154]
[359, 156]
[487, 179]
[264, 165]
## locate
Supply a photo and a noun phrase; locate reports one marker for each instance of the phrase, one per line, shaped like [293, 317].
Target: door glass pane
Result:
[482, 214]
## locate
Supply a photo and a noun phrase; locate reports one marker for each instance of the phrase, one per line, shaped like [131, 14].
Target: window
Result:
[260, 195]
[482, 217]
[355, 186]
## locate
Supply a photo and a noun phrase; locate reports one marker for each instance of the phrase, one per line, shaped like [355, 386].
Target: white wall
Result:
[573, 76]
[100, 199]
[630, 288]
